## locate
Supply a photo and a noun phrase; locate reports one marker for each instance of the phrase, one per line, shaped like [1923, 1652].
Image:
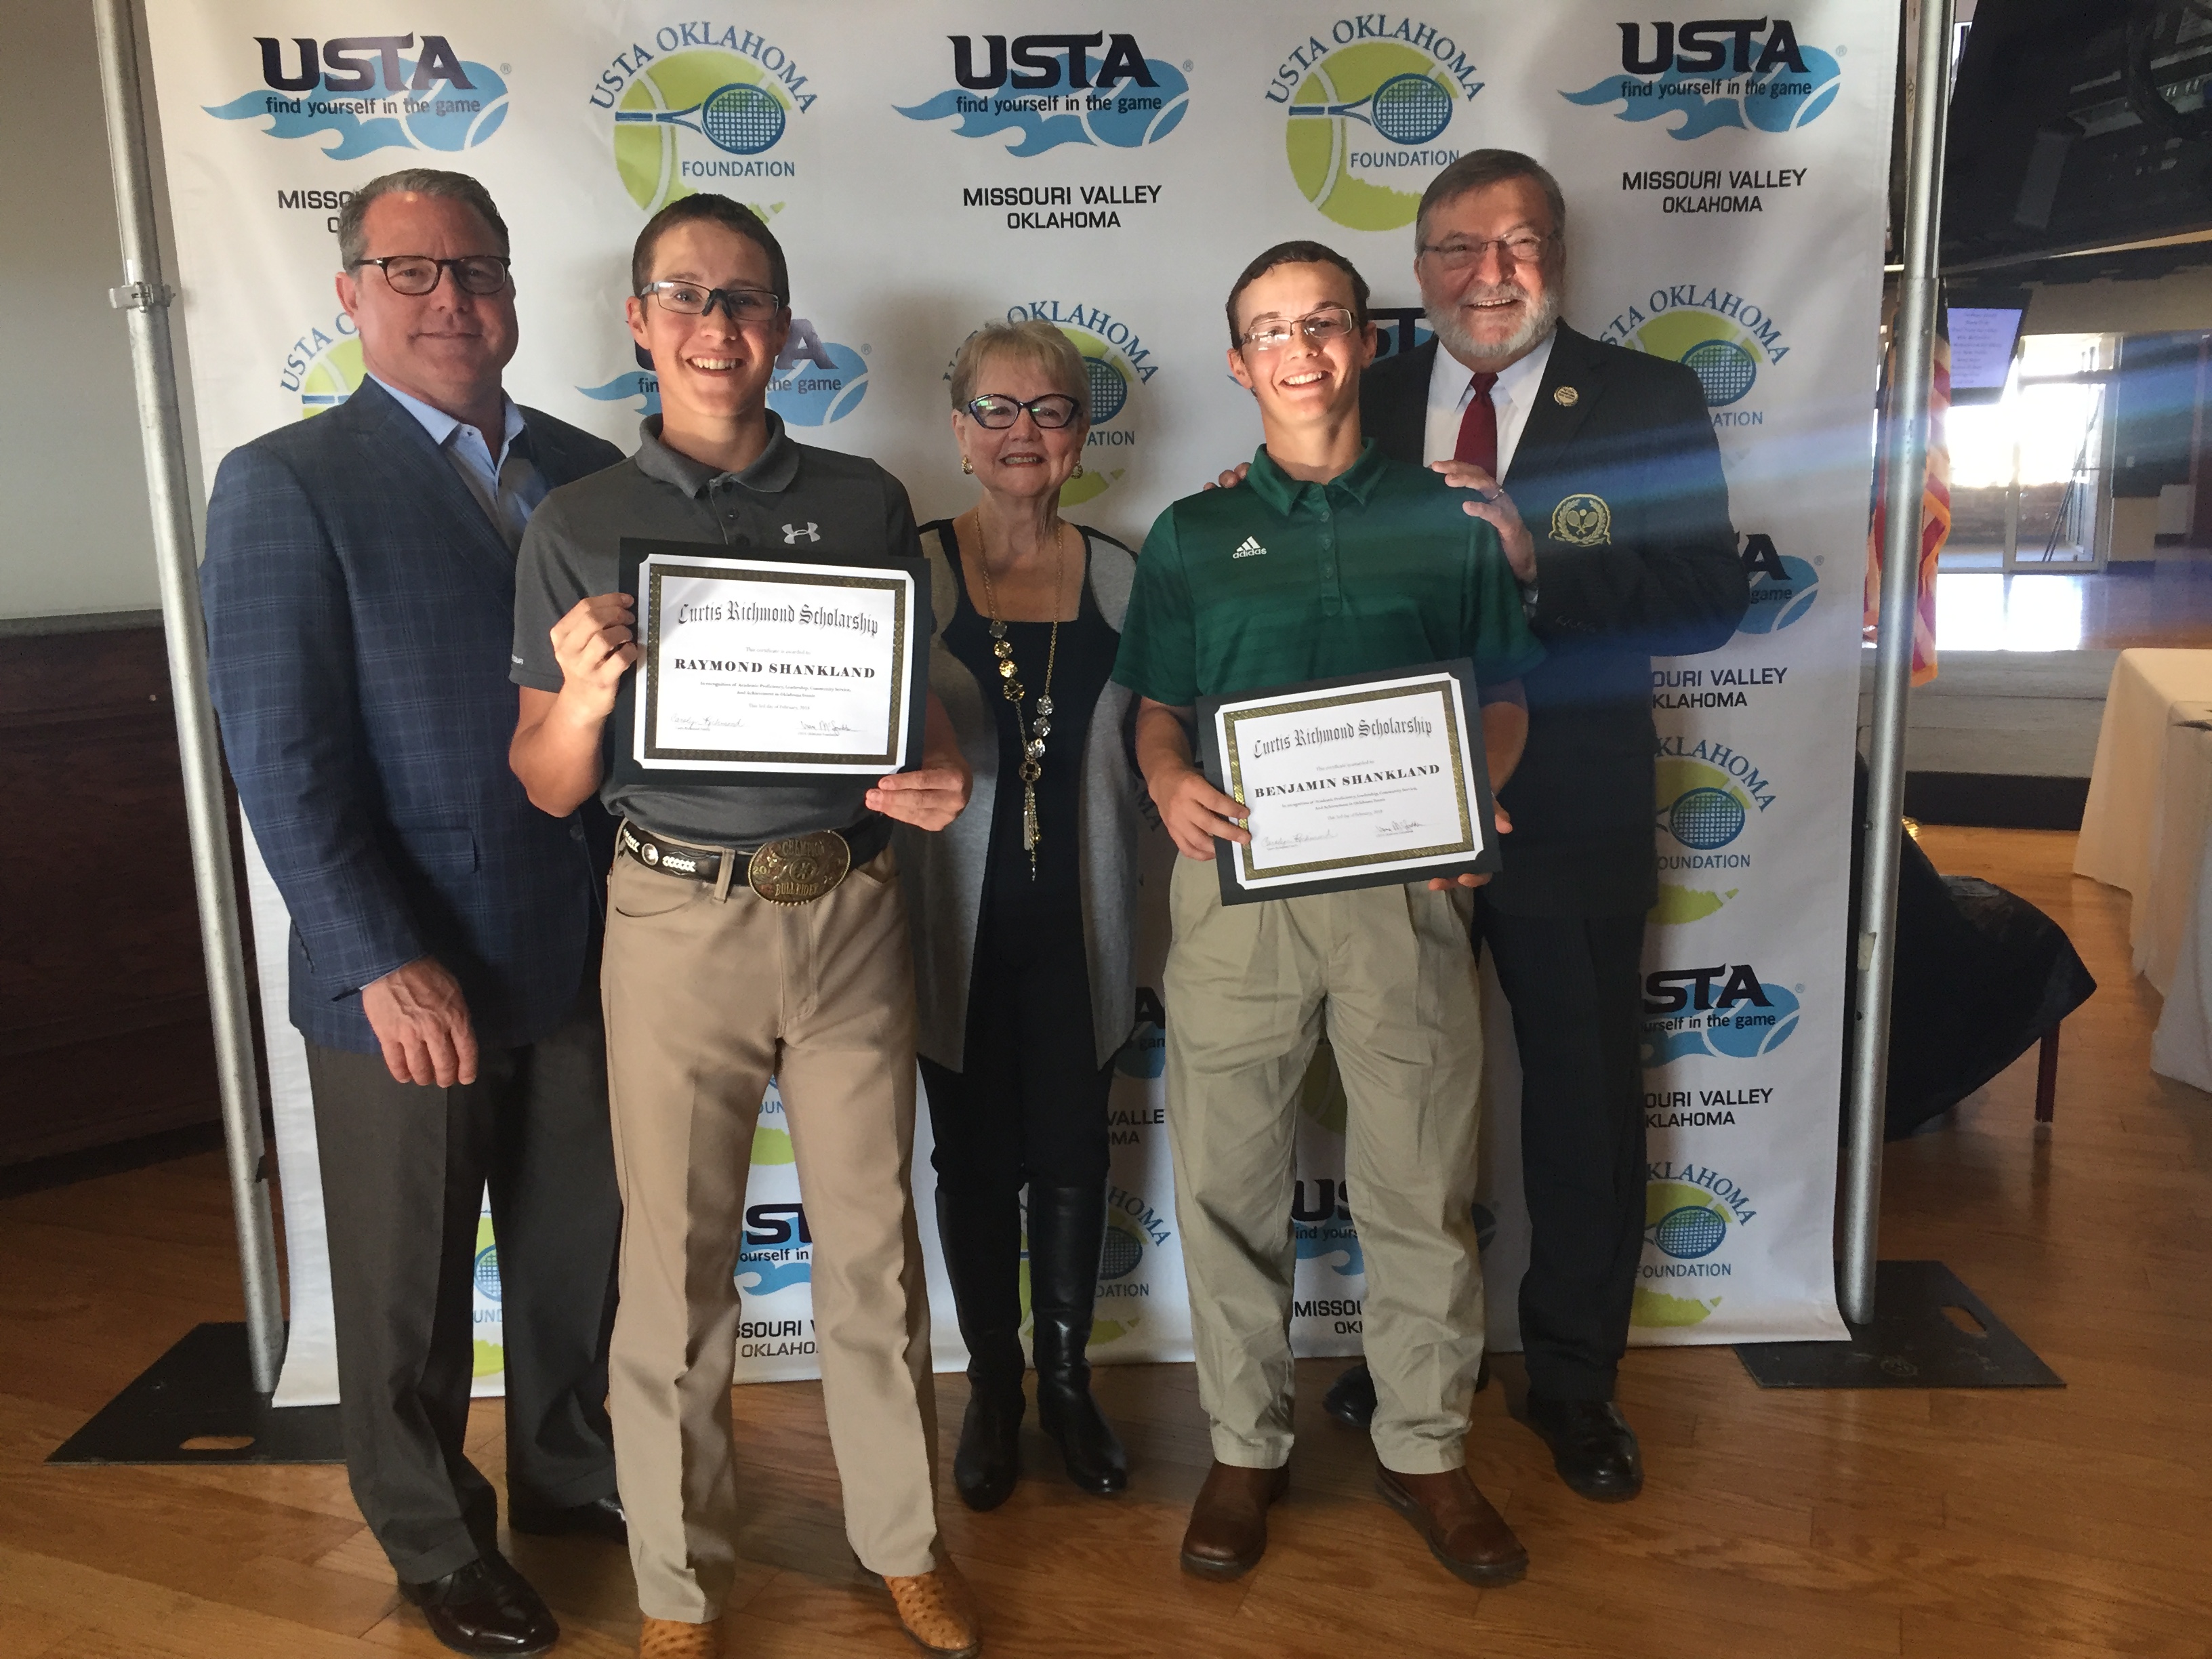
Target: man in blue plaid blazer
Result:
[444, 955]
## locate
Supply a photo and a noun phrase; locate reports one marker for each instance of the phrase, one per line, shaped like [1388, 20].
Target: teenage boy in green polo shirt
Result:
[1333, 561]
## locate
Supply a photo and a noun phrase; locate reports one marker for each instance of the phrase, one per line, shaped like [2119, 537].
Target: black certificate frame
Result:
[1488, 860]
[620, 752]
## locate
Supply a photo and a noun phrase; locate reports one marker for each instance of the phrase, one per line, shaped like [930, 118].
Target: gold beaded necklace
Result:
[1032, 734]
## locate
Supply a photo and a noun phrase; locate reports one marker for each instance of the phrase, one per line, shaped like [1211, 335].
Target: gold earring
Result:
[967, 466]
[1078, 470]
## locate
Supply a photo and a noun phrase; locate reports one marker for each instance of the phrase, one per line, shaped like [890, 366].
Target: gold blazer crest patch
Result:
[1583, 521]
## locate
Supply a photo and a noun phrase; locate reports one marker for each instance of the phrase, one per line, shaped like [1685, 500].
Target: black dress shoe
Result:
[1351, 1398]
[477, 1609]
[602, 1518]
[1593, 1448]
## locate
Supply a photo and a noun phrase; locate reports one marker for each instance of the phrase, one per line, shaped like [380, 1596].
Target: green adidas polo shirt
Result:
[1283, 580]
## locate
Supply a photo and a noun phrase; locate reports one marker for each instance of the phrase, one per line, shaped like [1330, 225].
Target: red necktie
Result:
[1478, 428]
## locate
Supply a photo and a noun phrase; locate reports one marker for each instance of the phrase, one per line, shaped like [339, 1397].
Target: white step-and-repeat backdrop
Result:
[1109, 167]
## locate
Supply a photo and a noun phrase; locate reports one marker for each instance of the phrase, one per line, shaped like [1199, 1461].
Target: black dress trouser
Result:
[1575, 987]
[405, 1168]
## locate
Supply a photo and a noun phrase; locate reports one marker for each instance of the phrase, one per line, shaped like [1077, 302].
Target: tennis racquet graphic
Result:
[1406, 109]
[739, 119]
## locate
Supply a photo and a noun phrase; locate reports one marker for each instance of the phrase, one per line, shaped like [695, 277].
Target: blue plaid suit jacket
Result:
[360, 618]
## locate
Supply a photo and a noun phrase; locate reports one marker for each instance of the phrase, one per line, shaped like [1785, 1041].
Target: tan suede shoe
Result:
[938, 1612]
[672, 1638]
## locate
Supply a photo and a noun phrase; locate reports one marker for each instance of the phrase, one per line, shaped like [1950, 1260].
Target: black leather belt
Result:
[793, 871]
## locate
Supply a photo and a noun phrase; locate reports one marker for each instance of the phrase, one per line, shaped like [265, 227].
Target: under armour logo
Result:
[811, 532]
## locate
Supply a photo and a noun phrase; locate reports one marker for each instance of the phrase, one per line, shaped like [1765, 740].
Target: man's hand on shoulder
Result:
[1232, 478]
[420, 1016]
[1495, 509]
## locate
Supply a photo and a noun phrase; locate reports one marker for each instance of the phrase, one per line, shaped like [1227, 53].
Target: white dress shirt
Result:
[509, 488]
[1451, 380]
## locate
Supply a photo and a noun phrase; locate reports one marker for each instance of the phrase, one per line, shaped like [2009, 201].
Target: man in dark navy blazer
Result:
[359, 597]
[1614, 515]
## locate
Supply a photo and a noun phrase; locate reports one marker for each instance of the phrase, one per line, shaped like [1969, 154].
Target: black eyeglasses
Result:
[997, 412]
[740, 305]
[418, 274]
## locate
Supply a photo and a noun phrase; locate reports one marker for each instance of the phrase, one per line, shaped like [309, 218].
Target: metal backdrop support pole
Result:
[144, 300]
[1907, 434]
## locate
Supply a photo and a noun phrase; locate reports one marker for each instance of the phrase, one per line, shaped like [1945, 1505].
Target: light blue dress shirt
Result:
[507, 487]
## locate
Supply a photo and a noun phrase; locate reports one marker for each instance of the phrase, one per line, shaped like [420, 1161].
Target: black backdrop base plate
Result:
[196, 1404]
[1919, 1340]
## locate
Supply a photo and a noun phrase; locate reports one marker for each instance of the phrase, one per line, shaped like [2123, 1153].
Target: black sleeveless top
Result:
[1081, 667]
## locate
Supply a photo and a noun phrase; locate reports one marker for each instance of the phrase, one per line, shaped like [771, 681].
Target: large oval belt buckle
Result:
[799, 869]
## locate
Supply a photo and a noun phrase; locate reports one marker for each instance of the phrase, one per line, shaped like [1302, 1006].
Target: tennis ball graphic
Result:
[1785, 101]
[723, 102]
[1746, 1030]
[331, 379]
[1656, 1308]
[771, 1146]
[1138, 114]
[457, 120]
[811, 394]
[1335, 111]
[1778, 601]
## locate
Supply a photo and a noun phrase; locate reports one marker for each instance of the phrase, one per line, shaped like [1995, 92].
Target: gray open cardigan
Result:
[942, 874]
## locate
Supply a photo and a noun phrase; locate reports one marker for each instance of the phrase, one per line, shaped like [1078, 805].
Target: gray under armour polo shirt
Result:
[856, 513]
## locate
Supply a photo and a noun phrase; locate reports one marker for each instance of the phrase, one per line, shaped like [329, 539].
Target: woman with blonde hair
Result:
[1023, 910]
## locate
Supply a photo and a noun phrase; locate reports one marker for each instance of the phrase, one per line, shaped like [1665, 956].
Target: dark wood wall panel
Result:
[104, 1032]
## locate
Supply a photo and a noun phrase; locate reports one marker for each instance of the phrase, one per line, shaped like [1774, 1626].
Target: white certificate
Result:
[1354, 784]
[750, 665]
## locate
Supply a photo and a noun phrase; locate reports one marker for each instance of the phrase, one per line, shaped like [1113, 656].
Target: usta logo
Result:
[1047, 89]
[1042, 62]
[372, 96]
[1704, 47]
[353, 63]
[1724, 1011]
[1718, 72]
[777, 1249]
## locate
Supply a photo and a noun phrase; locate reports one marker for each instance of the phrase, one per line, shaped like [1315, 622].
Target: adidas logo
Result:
[1247, 549]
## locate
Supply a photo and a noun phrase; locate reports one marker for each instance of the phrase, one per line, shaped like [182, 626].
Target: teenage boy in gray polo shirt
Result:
[710, 987]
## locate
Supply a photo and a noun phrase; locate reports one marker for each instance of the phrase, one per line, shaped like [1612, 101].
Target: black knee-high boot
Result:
[982, 1258]
[1068, 1230]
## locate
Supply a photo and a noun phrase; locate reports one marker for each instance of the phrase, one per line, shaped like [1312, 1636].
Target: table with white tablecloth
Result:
[2145, 830]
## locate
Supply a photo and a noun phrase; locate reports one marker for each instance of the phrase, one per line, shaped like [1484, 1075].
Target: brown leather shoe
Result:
[1228, 1530]
[1462, 1530]
[938, 1612]
[674, 1638]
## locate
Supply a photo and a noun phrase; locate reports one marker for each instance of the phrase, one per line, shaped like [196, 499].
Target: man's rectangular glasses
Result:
[418, 274]
[1523, 248]
[1320, 327]
[740, 305]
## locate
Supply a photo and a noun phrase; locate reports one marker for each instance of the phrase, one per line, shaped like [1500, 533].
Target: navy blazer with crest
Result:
[360, 618]
[1618, 476]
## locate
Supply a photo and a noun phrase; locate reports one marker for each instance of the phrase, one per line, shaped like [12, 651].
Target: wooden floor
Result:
[2059, 1524]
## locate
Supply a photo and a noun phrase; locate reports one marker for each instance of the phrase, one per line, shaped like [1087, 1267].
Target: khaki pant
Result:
[1249, 989]
[706, 999]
